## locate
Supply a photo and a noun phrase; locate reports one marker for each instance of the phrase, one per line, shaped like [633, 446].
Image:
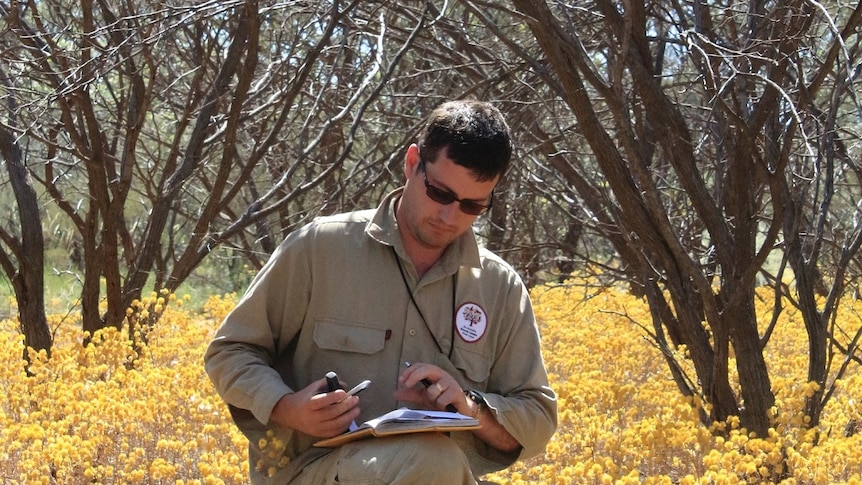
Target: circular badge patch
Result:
[471, 322]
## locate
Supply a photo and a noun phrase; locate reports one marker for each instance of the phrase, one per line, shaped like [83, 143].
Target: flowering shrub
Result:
[107, 413]
[623, 421]
[88, 416]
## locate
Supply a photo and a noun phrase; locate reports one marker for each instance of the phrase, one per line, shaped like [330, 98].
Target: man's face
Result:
[432, 224]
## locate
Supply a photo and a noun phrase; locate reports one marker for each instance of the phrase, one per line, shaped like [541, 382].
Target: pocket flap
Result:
[348, 337]
[476, 366]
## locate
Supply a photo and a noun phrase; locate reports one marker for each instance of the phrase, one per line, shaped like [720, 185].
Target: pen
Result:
[356, 390]
[425, 382]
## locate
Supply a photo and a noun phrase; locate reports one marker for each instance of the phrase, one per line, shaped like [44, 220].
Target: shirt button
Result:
[412, 332]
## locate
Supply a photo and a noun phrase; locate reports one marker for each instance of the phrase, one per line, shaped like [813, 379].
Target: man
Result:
[364, 294]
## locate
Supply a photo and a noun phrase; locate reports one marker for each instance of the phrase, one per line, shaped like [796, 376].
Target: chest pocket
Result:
[348, 337]
[476, 367]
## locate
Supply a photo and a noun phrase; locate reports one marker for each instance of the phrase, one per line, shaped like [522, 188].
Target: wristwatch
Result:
[477, 398]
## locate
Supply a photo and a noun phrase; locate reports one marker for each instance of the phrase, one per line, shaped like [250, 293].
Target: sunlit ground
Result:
[105, 414]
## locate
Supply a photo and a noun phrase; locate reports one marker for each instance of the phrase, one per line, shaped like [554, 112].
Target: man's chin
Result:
[437, 239]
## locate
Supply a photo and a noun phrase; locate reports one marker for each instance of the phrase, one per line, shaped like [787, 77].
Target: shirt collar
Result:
[383, 228]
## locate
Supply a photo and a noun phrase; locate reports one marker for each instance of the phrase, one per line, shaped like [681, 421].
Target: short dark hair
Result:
[473, 133]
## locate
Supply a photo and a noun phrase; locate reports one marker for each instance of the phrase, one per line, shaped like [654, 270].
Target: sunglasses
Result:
[445, 197]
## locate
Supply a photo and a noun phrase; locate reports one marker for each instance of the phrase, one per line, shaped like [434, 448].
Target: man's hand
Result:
[430, 387]
[315, 412]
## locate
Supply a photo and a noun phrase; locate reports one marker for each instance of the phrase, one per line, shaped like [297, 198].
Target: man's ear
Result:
[411, 160]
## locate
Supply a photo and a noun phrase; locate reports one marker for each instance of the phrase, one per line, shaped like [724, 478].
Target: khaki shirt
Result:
[332, 298]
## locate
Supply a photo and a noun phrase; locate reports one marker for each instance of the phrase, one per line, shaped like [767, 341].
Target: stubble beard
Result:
[434, 235]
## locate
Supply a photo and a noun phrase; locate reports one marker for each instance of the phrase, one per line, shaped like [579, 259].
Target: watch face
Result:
[476, 397]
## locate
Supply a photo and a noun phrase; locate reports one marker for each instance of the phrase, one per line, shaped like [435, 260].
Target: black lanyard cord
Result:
[419, 310]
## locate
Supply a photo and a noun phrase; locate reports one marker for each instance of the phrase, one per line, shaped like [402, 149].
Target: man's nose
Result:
[450, 212]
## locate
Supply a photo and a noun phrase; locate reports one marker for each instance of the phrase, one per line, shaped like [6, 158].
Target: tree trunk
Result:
[815, 324]
[754, 382]
[27, 276]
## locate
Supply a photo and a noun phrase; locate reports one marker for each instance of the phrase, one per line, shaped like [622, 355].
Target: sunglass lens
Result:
[472, 208]
[440, 196]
